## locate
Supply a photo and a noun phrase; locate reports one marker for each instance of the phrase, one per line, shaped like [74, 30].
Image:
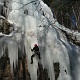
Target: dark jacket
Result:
[36, 48]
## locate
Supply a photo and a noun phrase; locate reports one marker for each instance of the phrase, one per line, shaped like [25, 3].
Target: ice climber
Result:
[36, 52]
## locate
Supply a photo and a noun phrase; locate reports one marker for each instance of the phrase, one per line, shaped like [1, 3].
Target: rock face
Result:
[4, 8]
[4, 26]
[42, 73]
[21, 72]
[5, 73]
[56, 70]
[72, 38]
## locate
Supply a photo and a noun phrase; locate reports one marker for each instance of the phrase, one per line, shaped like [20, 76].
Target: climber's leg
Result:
[38, 53]
[32, 58]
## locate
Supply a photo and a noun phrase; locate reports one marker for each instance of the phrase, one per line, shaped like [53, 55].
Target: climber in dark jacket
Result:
[36, 52]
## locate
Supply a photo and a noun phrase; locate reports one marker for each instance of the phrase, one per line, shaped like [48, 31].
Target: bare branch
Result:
[24, 5]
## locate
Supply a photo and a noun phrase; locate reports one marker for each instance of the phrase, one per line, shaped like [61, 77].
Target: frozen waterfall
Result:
[35, 22]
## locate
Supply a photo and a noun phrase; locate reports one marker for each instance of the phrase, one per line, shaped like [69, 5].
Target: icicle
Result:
[13, 54]
[2, 46]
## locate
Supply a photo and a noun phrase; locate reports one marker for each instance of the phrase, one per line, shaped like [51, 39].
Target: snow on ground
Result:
[37, 27]
[73, 33]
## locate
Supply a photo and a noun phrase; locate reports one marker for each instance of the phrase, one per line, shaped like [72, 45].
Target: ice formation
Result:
[35, 22]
